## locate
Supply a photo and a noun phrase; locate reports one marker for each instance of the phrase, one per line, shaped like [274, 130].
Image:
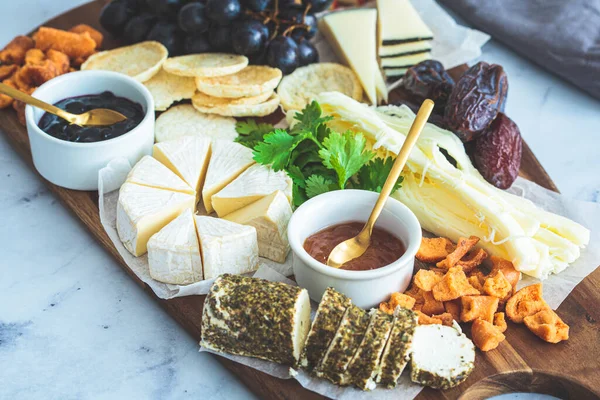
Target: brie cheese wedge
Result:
[227, 162]
[270, 216]
[174, 252]
[187, 156]
[142, 211]
[252, 185]
[400, 23]
[149, 172]
[226, 247]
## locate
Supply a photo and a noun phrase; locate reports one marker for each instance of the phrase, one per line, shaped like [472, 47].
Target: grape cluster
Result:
[271, 32]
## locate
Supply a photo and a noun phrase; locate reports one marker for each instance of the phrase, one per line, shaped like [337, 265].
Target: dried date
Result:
[429, 80]
[475, 100]
[496, 153]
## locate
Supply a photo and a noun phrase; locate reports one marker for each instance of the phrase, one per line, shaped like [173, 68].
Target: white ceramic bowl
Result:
[76, 165]
[365, 288]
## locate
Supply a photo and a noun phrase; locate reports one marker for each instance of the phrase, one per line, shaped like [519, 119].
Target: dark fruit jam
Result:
[385, 248]
[62, 129]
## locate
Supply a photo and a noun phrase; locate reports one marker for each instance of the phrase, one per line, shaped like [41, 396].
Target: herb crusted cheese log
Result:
[327, 320]
[256, 318]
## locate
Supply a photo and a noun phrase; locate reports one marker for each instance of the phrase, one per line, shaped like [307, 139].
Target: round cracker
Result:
[206, 64]
[205, 100]
[249, 82]
[140, 61]
[167, 88]
[242, 110]
[185, 120]
[298, 89]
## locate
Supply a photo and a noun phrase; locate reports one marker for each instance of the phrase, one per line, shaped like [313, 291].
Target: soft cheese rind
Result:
[149, 172]
[256, 318]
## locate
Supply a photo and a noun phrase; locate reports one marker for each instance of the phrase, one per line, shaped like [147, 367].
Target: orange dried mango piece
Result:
[94, 34]
[507, 268]
[525, 302]
[472, 259]
[548, 326]
[497, 285]
[446, 318]
[433, 250]
[425, 319]
[397, 299]
[500, 322]
[463, 246]
[453, 285]
[478, 307]
[453, 307]
[485, 335]
[431, 305]
[426, 280]
[74, 45]
[14, 52]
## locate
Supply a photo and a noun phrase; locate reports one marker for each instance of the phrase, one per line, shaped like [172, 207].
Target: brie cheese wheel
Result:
[404, 61]
[226, 247]
[404, 49]
[253, 184]
[187, 156]
[352, 35]
[174, 252]
[400, 23]
[270, 216]
[149, 172]
[142, 211]
[227, 162]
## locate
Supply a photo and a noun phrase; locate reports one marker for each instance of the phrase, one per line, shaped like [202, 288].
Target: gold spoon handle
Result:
[409, 142]
[25, 98]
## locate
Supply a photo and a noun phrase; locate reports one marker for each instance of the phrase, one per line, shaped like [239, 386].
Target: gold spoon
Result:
[97, 117]
[356, 246]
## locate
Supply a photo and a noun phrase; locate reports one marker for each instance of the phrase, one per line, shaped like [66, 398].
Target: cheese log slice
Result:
[149, 172]
[227, 162]
[187, 156]
[252, 185]
[343, 345]
[352, 36]
[400, 23]
[404, 49]
[142, 211]
[256, 318]
[270, 216]
[398, 347]
[363, 368]
[442, 357]
[404, 61]
[226, 247]
[329, 315]
[174, 252]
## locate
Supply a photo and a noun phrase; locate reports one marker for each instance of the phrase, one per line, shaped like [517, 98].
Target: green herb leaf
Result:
[298, 195]
[372, 176]
[309, 119]
[316, 185]
[276, 148]
[296, 176]
[345, 154]
[250, 133]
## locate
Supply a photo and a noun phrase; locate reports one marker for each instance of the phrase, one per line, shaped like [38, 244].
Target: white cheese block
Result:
[227, 162]
[404, 61]
[252, 185]
[142, 211]
[380, 86]
[394, 72]
[352, 35]
[402, 49]
[149, 172]
[187, 156]
[399, 23]
[226, 247]
[270, 216]
[174, 252]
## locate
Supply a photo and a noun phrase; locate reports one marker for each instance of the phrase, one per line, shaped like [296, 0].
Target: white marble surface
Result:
[72, 323]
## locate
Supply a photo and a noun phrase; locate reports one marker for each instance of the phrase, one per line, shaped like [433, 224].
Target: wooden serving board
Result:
[521, 363]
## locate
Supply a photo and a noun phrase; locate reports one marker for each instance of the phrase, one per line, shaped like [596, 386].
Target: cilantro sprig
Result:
[316, 158]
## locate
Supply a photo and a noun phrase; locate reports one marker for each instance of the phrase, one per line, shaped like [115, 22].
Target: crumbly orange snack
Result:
[60, 60]
[507, 268]
[478, 307]
[500, 322]
[472, 259]
[14, 52]
[431, 305]
[6, 101]
[476, 282]
[416, 294]
[94, 34]
[19, 107]
[548, 326]
[445, 317]
[74, 45]
[426, 280]
[485, 335]
[6, 71]
[453, 285]
[425, 319]
[433, 250]
[463, 246]
[34, 56]
[397, 299]
[497, 285]
[31, 76]
[453, 307]
[527, 301]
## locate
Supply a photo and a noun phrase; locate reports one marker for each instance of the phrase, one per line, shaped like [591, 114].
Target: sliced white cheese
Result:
[270, 216]
[174, 252]
[149, 172]
[392, 72]
[226, 247]
[402, 49]
[227, 162]
[380, 86]
[352, 35]
[187, 156]
[252, 185]
[142, 211]
[404, 61]
[399, 23]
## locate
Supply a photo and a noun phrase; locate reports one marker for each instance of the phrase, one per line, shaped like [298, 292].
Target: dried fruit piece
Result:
[485, 335]
[433, 250]
[463, 246]
[453, 285]
[429, 80]
[397, 299]
[548, 326]
[472, 260]
[497, 285]
[475, 100]
[500, 322]
[478, 307]
[497, 152]
[527, 301]
[426, 280]
[431, 305]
